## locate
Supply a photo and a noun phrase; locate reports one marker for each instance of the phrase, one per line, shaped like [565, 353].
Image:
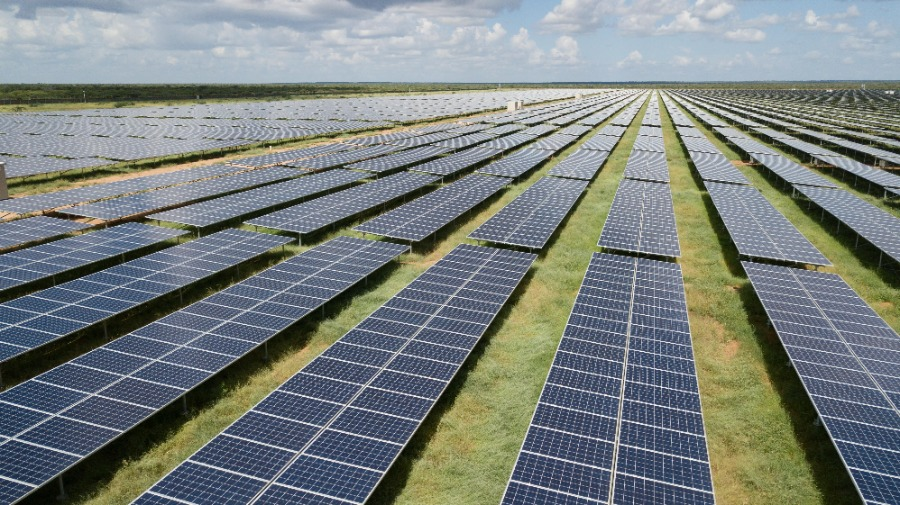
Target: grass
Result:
[764, 447]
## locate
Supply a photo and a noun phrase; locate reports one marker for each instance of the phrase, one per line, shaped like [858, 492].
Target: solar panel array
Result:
[641, 219]
[457, 162]
[757, 229]
[331, 432]
[878, 227]
[709, 161]
[57, 419]
[647, 166]
[532, 217]
[517, 164]
[316, 214]
[509, 141]
[847, 358]
[337, 159]
[581, 164]
[266, 160]
[716, 168]
[219, 210]
[55, 199]
[391, 162]
[143, 203]
[21, 267]
[785, 169]
[35, 229]
[619, 418]
[424, 216]
[464, 141]
[871, 175]
[54, 141]
[34, 320]
[554, 142]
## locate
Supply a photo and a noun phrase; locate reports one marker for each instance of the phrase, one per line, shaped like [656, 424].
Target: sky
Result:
[269, 41]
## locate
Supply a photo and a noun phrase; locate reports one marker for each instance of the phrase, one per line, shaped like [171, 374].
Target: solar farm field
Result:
[618, 296]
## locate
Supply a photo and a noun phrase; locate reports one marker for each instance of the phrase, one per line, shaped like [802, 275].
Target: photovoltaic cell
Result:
[60, 426]
[457, 162]
[603, 430]
[847, 359]
[878, 227]
[424, 216]
[642, 219]
[44, 261]
[316, 214]
[362, 402]
[581, 164]
[517, 164]
[226, 208]
[35, 229]
[757, 229]
[143, 203]
[34, 320]
[532, 217]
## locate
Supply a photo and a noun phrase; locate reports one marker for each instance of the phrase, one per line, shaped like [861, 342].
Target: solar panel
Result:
[650, 131]
[517, 164]
[220, 210]
[144, 203]
[532, 217]
[457, 162]
[757, 229]
[316, 214]
[40, 262]
[424, 216]
[47, 201]
[391, 162]
[331, 432]
[464, 141]
[35, 229]
[642, 219]
[575, 130]
[554, 142]
[716, 167]
[847, 359]
[539, 129]
[654, 144]
[619, 417]
[878, 227]
[73, 410]
[278, 158]
[647, 166]
[34, 320]
[342, 158]
[601, 142]
[508, 142]
[872, 175]
[790, 172]
[581, 164]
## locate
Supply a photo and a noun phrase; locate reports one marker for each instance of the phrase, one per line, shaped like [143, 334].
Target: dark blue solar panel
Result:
[131, 378]
[372, 389]
[612, 404]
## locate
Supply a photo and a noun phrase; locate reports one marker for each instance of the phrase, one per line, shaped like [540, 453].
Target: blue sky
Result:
[250, 41]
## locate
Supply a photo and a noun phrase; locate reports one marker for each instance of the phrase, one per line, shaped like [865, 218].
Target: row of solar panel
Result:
[34, 320]
[333, 430]
[62, 416]
[619, 418]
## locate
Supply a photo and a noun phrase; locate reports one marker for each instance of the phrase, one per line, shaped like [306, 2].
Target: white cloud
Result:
[681, 60]
[713, 9]
[746, 35]
[523, 43]
[684, 22]
[565, 51]
[634, 59]
[572, 16]
[775, 51]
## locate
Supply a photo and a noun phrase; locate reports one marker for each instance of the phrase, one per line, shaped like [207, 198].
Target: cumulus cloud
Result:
[746, 35]
[565, 51]
[634, 59]
[572, 16]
